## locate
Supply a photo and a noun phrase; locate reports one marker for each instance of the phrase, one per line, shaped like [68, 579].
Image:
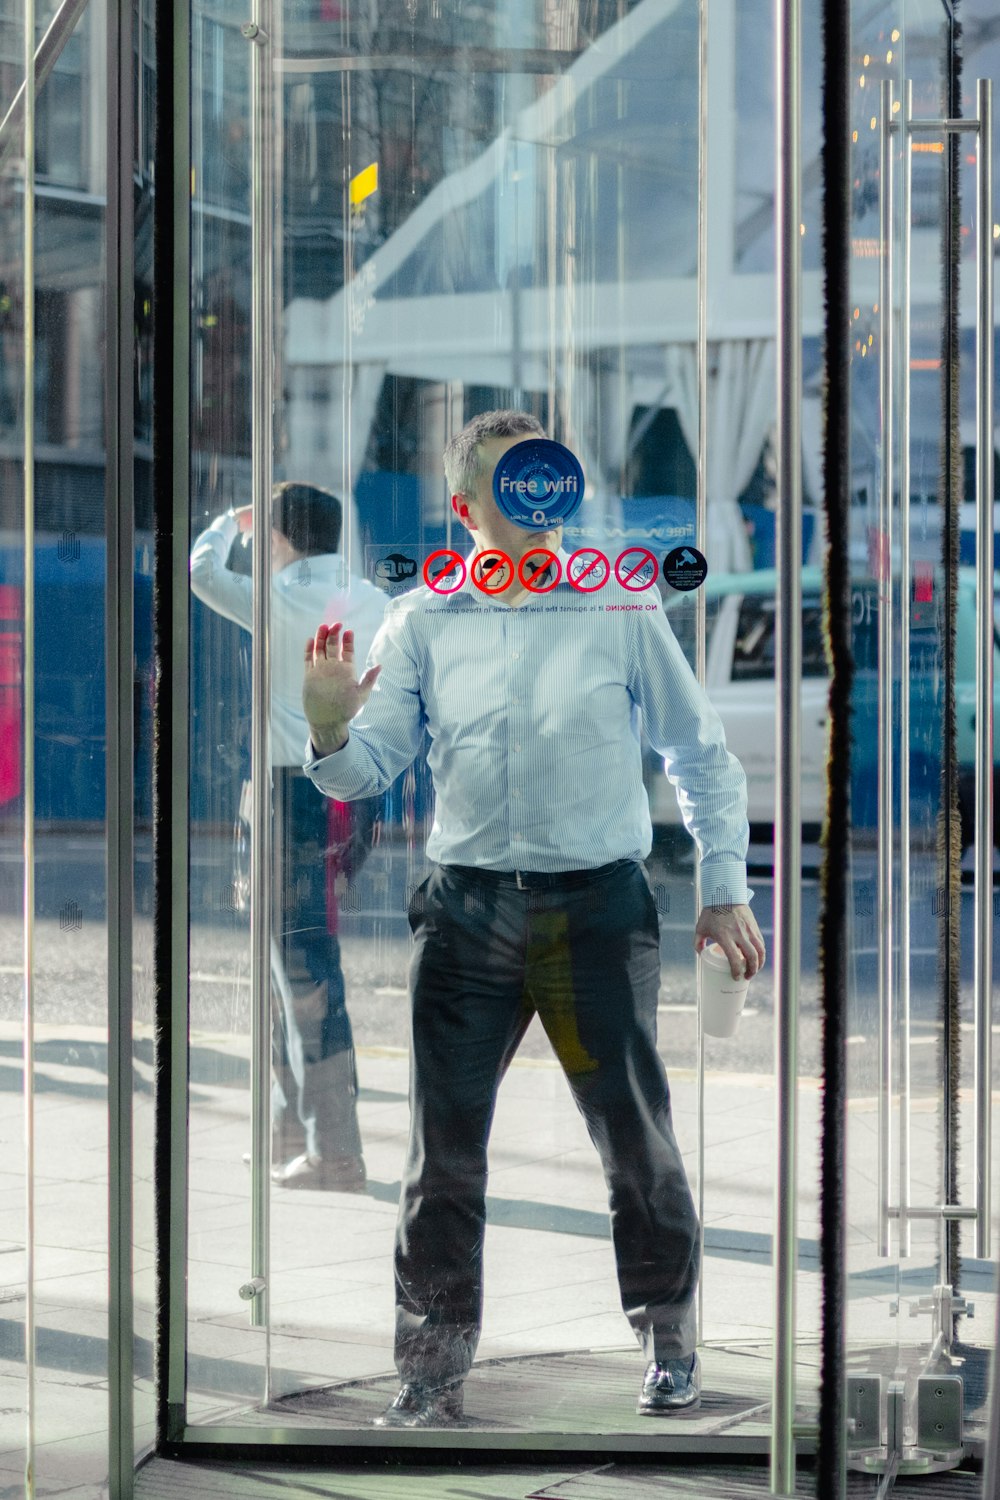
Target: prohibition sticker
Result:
[539, 570]
[538, 484]
[636, 569]
[492, 572]
[444, 571]
[685, 569]
[588, 570]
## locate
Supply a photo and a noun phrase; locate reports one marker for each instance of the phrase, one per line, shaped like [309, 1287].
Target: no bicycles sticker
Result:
[588, 570]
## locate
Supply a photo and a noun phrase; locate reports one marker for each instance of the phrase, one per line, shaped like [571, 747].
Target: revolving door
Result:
[439, 223]
[372, 223]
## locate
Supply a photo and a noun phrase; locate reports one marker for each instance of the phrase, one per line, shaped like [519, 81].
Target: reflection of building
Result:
[550, 259]
[69, 230]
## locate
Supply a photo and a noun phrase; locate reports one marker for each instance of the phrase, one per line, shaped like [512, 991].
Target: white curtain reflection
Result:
[740, 413]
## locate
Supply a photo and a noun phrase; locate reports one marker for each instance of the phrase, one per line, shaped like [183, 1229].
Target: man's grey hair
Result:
[463, 464]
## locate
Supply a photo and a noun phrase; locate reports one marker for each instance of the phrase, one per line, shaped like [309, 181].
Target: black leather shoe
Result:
[416, 1406]
[339, 1174]
[673, 1385]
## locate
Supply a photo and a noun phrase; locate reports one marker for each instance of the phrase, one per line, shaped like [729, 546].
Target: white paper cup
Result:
[722, 996]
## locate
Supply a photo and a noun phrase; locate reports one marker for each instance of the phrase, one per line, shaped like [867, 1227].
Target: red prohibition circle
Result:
[433, 577]
[596, 558]
[498, 562]
[545, 567]
[645, 559]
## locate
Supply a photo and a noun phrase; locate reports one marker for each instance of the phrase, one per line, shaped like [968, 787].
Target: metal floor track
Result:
[165, 1479]
[588, 1399]
[574, 1412]
[571, 1393]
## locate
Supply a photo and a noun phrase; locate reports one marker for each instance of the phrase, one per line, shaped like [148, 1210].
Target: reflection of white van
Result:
[740, 645]
[739, 678]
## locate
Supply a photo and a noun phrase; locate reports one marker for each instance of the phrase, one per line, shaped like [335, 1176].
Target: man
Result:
[538, 902]
[314, 1094]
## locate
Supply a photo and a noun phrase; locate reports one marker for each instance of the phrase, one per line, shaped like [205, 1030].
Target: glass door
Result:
[919, 1052]
[462, 213]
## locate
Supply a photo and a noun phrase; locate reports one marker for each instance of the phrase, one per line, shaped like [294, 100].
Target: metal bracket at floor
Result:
[886, 1432]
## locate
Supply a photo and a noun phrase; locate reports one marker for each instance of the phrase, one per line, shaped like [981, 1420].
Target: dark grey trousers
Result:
[486, 958]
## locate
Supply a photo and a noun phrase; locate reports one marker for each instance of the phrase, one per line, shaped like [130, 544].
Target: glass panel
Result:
[523, 187]
[225, 1358]
[70, 737]
[474, 213]
[143, 998]
[71, 1182]
[499, 201]
[895, 1306]
[12, 1368]
[978, 1277]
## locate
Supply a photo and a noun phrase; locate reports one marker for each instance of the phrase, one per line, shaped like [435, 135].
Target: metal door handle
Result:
[885, 904]
[983, 964]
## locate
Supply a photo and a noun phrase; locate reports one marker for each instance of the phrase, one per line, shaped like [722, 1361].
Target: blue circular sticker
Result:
[538, 484]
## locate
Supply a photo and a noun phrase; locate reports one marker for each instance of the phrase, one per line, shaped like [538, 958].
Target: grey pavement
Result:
[549, 1265]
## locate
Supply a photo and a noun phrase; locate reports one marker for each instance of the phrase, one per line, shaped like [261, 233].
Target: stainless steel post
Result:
[701, 532]
[28, 740]
[886, 924]
[991, 1476]
[983, 963]
[787, 821]
[904, 674]
[258, 33]
[172, 716]
[119, 354]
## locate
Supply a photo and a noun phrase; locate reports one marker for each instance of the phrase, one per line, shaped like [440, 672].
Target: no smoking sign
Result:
[636, 569]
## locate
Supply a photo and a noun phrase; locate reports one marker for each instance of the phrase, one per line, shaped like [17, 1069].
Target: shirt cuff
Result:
[342, 774]
[724, 883]
[227, 526]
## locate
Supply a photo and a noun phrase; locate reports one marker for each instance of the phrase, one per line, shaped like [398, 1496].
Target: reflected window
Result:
[754, 656]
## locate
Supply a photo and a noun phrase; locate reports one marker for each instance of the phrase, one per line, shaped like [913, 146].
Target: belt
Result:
[532, 880]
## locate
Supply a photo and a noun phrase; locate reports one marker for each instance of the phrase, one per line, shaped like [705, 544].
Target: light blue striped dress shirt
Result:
[533, 715]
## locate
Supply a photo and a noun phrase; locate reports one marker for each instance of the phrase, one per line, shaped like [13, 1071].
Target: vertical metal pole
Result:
[701, 531]
[120, 779]
[991, 1476]
[262, 291]
[347, 365]
[172, 482]
[787, 820]
[983, 964]
[884, 570]
[28, 739]
[904, 674]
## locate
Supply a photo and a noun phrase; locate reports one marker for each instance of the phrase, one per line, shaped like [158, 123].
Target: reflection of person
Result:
[314, 1111]
[538, 902]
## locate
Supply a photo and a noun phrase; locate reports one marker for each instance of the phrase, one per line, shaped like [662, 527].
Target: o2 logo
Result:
[538, 484]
